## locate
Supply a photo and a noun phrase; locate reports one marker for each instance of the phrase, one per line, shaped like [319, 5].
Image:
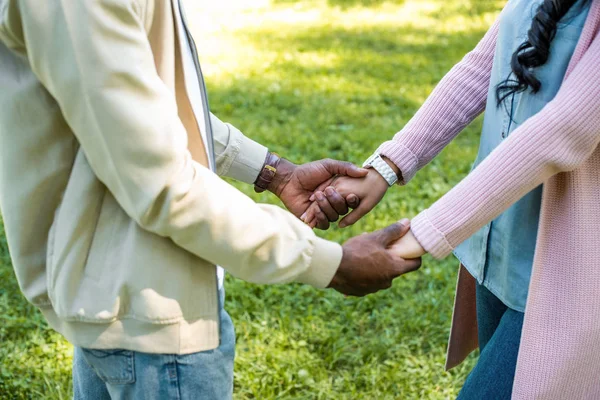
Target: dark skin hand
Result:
[368, 265]
[295, 184]
[331, 205]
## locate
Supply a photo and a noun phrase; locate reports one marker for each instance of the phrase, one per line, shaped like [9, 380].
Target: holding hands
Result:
[295, 184]
[369, 264]
[362, 193]
[320, 192]
[366, 192]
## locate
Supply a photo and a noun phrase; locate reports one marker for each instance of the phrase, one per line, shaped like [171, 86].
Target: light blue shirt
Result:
[500, 255]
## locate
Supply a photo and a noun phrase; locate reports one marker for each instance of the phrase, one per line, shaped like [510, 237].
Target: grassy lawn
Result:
[313, 79]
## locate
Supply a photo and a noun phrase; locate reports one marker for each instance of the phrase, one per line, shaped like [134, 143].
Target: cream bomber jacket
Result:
[113, 221]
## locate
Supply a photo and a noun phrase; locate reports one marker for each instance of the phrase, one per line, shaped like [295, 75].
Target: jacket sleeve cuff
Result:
[403, 157]
[249, 160]
[429, 237]
[238, 156]
[326, 259]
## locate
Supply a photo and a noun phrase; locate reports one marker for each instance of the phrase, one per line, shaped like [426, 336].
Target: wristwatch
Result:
[379, 165]
[267, 173]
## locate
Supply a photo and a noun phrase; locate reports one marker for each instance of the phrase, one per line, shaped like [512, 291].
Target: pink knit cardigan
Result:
[559, 356]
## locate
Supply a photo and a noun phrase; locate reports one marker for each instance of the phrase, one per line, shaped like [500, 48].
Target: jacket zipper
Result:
[208, 130]
[203, 95]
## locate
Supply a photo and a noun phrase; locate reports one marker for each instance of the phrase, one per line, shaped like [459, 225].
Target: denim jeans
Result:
[499, 337]
[123, 374]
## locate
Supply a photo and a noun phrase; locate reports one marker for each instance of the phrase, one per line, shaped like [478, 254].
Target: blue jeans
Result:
[124, 374]
[499, 337]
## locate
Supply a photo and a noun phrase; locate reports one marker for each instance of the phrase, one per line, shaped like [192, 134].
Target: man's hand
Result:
[294, 184]
[368, 265]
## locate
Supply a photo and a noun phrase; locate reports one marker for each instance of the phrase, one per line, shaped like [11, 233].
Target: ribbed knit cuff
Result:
[326, 259]
[429, 237]
[405, 160]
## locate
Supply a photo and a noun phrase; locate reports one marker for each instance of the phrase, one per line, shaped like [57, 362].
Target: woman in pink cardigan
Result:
[524, 221]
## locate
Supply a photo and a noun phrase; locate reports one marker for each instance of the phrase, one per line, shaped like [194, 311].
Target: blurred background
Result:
[313, 79]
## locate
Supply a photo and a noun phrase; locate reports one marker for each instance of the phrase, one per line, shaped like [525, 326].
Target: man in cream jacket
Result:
[114, 217]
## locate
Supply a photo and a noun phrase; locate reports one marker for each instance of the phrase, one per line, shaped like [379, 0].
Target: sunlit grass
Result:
[234, 38]
[313, 79]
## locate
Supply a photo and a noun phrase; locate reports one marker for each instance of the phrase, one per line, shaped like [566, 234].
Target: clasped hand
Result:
[321, 191]
[362, 194]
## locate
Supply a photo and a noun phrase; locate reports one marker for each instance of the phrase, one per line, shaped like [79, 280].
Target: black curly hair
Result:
[534, 52]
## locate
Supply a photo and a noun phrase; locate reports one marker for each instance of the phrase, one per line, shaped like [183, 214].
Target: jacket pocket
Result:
[105, 231]
[102, 266]
[72, 235]
[115, 367]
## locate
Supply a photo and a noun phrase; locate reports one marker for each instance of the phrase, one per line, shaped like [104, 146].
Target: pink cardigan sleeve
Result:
[456, 101]
[559, 138]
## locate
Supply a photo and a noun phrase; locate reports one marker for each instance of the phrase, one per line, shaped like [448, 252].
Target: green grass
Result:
[313, 79]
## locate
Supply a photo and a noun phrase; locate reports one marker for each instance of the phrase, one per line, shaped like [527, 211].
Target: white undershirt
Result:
[192, 84]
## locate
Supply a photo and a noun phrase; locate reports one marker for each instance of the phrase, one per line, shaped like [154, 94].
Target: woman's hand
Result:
[369, 190]
[408, 247]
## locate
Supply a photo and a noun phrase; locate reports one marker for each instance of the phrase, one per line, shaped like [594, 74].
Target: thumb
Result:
[335, 167]
[394, 232]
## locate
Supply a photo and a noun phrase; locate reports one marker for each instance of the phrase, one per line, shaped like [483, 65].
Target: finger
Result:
[309, 214]
[322, 222]
[412, 265]
[326, 207]
[323, 186]
[355, 215]
[313, 224]
[322, 225]
[335, 167]
[309, 217]
[352, 201]
[336, 200]
[405, 266]
[394, 232]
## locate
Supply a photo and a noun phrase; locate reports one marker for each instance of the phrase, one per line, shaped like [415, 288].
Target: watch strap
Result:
[383, 168]
[267, 173]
